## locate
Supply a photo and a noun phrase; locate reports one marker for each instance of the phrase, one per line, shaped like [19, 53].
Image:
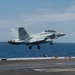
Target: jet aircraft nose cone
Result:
[62, 34]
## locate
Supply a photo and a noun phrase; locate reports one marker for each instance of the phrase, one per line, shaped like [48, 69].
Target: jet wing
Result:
[49, 37]
[36, 39]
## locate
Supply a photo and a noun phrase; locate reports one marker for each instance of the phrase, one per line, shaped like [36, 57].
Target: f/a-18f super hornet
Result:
[22, 37]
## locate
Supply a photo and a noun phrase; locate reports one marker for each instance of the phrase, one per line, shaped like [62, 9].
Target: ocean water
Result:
[19, 51]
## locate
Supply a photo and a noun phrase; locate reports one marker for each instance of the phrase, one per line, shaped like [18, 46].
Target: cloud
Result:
[33, 19]
[42, 18]
[48, 3]
[42, 10]
[71, 8]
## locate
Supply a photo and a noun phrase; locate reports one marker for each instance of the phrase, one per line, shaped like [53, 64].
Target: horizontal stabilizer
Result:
[14, 33]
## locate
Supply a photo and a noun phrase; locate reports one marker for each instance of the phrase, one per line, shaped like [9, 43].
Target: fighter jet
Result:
[22, 37]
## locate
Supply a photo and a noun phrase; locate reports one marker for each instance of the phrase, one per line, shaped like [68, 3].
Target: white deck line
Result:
[37, 58]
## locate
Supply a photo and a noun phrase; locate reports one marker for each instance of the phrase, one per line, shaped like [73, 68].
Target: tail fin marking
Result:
[22, 33]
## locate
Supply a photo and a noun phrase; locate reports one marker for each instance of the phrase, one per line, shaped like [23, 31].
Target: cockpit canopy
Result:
[50, 31]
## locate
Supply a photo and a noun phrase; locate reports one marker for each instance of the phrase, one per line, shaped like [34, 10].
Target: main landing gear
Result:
[30, 47]
[38, 47]
[51, 43]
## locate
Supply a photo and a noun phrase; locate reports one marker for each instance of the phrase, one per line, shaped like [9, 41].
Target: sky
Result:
[36, 16]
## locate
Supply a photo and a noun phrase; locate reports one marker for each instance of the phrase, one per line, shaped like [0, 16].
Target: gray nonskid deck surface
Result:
[38, 67]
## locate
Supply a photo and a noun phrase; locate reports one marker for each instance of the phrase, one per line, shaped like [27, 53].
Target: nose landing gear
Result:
[39, 47]
[30, 47]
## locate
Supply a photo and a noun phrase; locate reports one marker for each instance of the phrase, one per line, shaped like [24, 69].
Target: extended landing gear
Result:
[30, 47]
[39, 47]
[51, 43]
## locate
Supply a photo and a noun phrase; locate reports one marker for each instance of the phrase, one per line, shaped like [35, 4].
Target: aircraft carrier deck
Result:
[38, 66]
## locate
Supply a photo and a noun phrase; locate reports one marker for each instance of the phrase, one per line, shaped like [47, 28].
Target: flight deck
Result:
[38, 66]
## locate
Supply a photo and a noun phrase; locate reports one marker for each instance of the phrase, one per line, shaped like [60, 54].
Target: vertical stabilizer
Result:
[22, 33]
